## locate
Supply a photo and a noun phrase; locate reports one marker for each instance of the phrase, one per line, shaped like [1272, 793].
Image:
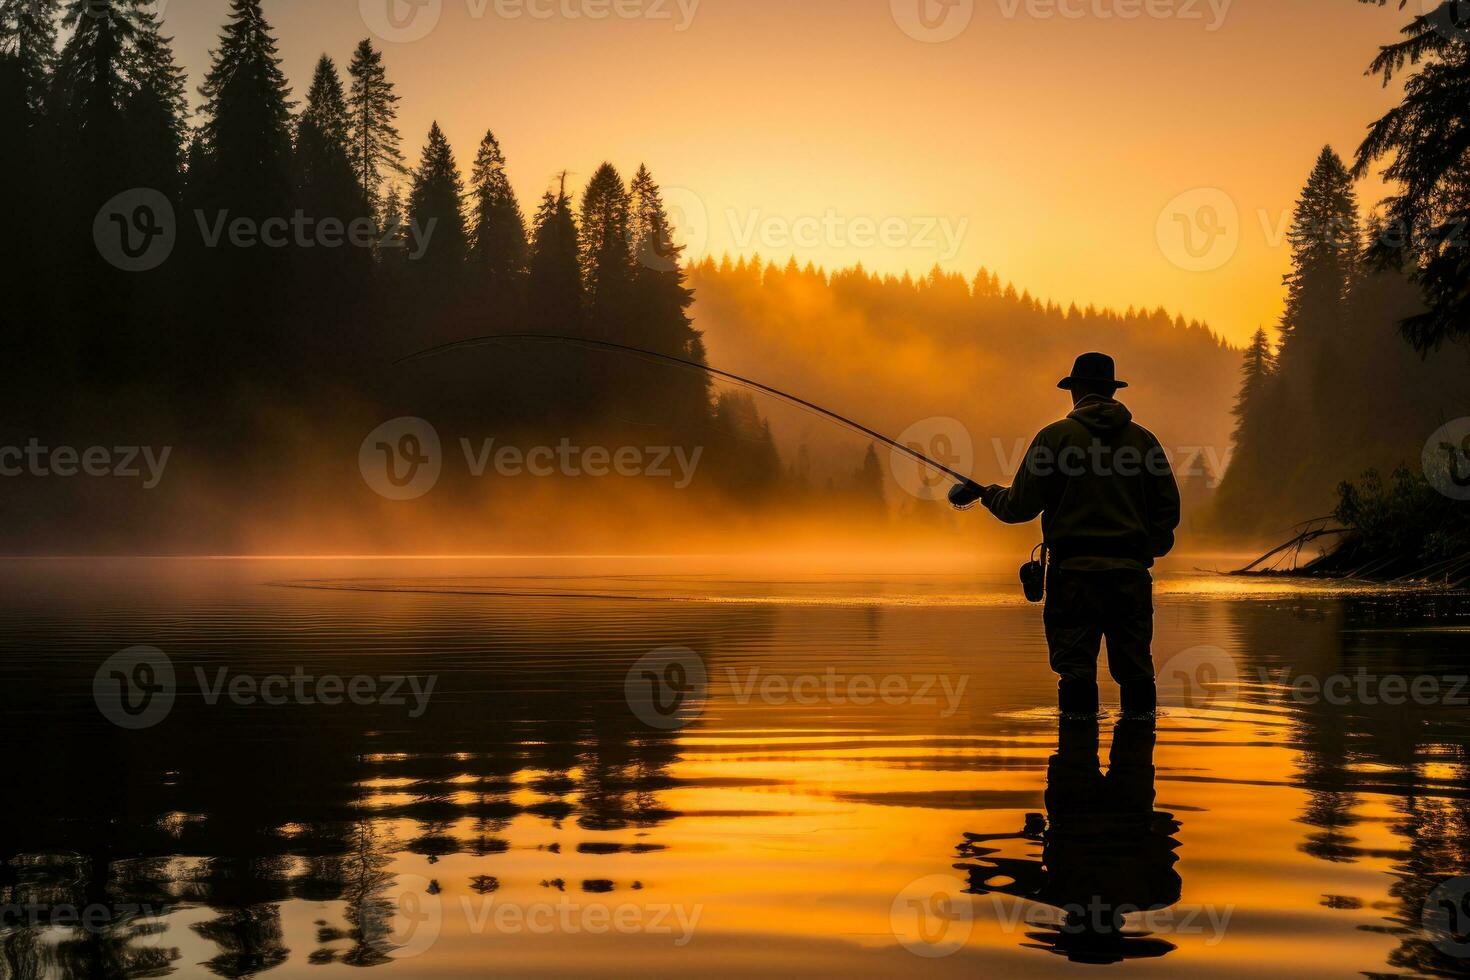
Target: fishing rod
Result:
[964, 481]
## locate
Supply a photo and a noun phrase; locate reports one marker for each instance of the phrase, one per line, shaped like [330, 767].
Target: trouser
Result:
[1083, 608]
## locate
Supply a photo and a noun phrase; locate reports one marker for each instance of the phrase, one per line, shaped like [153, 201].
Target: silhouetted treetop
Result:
[1426, 221]
[375, 151]
[498, 232]
[28, 33]
[247, 117]
[435, 202]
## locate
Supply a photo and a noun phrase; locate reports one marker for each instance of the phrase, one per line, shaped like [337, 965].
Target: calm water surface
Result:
[869, 781]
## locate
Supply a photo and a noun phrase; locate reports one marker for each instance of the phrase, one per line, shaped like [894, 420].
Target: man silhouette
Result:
[1109, 506]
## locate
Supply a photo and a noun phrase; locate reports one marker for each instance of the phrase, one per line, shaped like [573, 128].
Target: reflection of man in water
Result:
[1105, 851]
[1109, 506]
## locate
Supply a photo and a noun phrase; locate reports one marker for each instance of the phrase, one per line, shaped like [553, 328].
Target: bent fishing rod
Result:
[605, 345]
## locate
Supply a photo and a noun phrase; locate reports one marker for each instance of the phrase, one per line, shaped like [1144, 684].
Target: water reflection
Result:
[1385, 771]
[237, 839]
[1105, 852]
[234, 811]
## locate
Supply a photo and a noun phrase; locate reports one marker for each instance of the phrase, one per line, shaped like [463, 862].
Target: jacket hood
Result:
[1101, 414]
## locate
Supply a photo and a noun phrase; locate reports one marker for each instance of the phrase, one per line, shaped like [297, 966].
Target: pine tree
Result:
[1428, 221]
[28, 61]
[1325, 242]
[245, 174]
[660, 304]
[648, 226]
[1325, 245]
[330, 279]
[323, 179]
[498, 237]
[1258, 366]
[745, 458]
[554, 304]
[607, 266]
[157, 112]
[375, 152]
[868, 483]
[555, 282]
[661, 300]
[247, 117]
[435, 203]
[325, 115]
[1197, 485]
[28, 33]
[90, 72]
[392, 240]
[90, 141]
[24, 256]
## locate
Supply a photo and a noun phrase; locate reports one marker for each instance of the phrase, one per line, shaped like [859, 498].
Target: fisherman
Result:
[1109, 506]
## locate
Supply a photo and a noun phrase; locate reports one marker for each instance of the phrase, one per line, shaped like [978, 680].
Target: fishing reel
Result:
[1033, 575]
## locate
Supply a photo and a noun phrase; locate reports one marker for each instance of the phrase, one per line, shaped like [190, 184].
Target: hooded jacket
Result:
[1102, 485]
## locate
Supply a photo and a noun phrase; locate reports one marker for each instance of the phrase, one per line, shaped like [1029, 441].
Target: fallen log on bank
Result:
[1353, 556]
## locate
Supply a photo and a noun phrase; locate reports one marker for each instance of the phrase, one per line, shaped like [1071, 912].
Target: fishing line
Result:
[753, 385]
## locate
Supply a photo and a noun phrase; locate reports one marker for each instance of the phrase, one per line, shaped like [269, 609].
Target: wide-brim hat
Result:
[1092, 369]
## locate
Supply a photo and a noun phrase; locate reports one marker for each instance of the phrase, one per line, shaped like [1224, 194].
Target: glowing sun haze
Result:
[1045, 140]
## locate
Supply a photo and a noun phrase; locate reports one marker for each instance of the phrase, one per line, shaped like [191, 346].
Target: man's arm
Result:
[1022, 501]
[1163, 501]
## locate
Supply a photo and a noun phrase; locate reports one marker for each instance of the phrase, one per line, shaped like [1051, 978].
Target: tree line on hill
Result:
[967, 367]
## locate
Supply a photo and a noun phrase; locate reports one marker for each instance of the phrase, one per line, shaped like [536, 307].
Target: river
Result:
[637, 766]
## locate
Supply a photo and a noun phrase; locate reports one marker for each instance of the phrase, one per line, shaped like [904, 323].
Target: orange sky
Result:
[1049, 139]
